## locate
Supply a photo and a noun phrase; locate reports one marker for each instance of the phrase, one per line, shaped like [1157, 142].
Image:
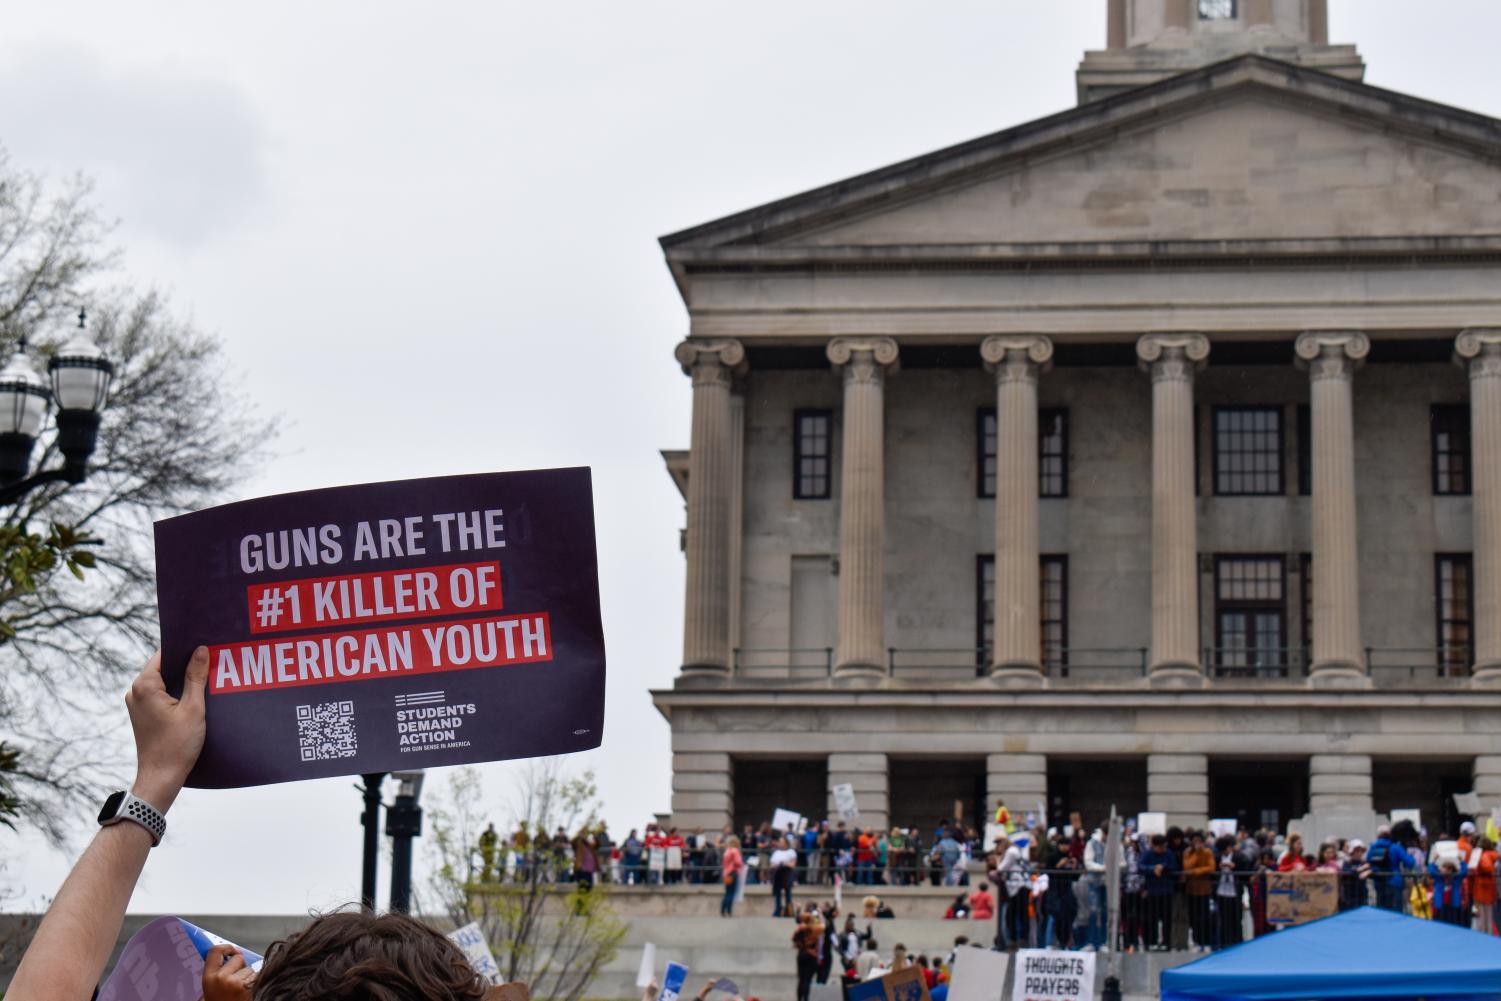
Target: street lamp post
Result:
[370, 820]
[403, 823]
[80, 375]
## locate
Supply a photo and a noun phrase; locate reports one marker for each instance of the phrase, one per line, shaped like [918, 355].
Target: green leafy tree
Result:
[554, 936]
[175, 437]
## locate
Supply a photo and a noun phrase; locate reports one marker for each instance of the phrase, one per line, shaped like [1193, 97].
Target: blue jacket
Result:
[1159, 886]
[1402, 862]
[1449, 891]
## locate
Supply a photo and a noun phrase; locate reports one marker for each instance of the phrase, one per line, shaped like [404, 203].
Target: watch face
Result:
[1216, 10]
[111, 806]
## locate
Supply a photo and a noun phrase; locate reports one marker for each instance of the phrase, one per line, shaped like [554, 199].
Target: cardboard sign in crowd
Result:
[388, 626]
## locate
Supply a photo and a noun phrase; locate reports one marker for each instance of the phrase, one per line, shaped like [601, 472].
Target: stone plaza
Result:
[1146, 455]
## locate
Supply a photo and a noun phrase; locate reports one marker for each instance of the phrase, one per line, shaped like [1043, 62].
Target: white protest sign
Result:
[674, 857]
[1223, 826]
[1151, 823]
[1416, 816]
[657, 860]
[844, 801]
[648, 971]
[993, 833]
[783, 820]
[979, 975]
[1468, 802]
[1053, 975]
[477, 950]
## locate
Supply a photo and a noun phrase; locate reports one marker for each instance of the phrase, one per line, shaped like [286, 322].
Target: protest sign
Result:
[1412, 814]
[1468, 802]
[1053, 975]
[844, 801]
[727, 985]
[1223, 827]
[979, 975]
[472, 940]
[905, 985]
[389, 626]
[1295, 897]
[1151, 823]
[648, 970]
[656, 860]
[994, 833]
[164, 960]
[783, 820]
[672, 982]
[674, 857]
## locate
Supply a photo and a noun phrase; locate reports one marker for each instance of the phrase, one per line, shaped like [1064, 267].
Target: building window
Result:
[1305, 450]
[1455, 601]
[1247, 451]
[1052, 606]
[1305, 596]
[1052, 452]
[1450, 425]
[811, 437]
[1217, 10]
[1249, 615]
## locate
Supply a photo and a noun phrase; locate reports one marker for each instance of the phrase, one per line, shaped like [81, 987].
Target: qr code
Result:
[326, 731]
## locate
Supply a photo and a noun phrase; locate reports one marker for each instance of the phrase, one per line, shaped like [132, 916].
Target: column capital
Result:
[1172, 356]
[710, 361]
[1011, 357]
[1331, 354]
[862, 358]
[1478, 350]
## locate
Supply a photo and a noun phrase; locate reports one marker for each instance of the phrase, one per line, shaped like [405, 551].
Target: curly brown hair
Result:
[354, 956]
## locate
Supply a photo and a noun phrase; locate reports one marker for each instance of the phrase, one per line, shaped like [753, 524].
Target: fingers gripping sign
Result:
[169, 731]
[225, 975]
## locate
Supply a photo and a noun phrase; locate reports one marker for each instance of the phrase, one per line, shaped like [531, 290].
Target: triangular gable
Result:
[1266, 132]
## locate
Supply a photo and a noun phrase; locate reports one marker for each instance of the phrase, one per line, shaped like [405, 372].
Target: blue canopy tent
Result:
[1362, 954]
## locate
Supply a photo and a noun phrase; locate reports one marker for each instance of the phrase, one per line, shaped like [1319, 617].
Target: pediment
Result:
[1254, 166]
[1247, 150]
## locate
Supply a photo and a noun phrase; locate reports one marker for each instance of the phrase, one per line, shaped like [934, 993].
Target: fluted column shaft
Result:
[706, 612]
[1480, 350]
[1332, 359]
[1172, 360]
[1016, 362]
[861, 653]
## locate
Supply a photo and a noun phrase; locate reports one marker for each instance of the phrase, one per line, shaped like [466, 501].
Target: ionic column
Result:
[1332, 358]
[737, 510]
[1339, 782]
[861, 654]
[1488, 778]
[867, 773]
[706, 613]
[1178, 785]
[1480, 350]
[1318, 22]
[1172, 359]
[1016, 362]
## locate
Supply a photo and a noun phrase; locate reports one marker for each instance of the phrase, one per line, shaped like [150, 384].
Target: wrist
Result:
[157, 790]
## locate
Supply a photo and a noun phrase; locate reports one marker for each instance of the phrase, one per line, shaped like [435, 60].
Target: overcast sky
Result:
[427, 237]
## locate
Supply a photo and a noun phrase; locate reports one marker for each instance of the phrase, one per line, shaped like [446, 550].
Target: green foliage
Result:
[554, 936]
[28, 561]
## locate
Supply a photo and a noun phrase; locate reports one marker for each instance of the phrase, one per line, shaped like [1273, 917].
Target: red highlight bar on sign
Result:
[358, 655]
[380, 596]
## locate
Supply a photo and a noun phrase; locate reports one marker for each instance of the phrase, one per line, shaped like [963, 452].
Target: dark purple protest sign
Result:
[388, 626]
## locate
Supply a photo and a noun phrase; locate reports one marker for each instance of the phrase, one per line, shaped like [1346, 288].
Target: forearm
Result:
[66, 958]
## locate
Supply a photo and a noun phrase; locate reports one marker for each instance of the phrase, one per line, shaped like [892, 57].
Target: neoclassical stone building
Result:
[1148, 453]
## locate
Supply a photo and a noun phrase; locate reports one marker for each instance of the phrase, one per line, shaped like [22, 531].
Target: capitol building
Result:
[1147, 454]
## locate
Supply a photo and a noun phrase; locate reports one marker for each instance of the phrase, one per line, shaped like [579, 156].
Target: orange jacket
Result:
[1198, 870]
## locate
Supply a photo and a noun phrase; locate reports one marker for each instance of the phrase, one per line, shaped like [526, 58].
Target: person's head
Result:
[871, 945]
[984, 887]
[922, 961]
[961, 940]
[1196, 840]
[1224, 844]
[1295, 844]
[732, 842]
[1328, 851]
[633, 833]
[1404, 832]
[1467, 828]
[1448, 866]
[1159, 842]
[1355, 848]
[351, 954]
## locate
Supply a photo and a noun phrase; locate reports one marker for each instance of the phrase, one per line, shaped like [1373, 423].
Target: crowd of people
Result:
[825, 949]
[1182, 888]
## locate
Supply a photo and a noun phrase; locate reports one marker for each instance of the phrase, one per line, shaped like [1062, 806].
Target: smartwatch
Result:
[121, 805]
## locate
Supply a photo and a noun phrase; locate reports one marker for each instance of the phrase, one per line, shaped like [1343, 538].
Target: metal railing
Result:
[1078, 663]
[1255, 664]
[1418, 663]
[807, 663]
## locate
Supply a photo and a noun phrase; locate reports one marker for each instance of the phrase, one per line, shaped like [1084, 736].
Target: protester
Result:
[869, 959]
[1198, 870]
[1355, 877]
[732, 868]
[1227, 896]
[1483, 884]
[982, 904]
[805, 942]
[345, 954]
[1292, 860]
[1159, 868]
[783, 869]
